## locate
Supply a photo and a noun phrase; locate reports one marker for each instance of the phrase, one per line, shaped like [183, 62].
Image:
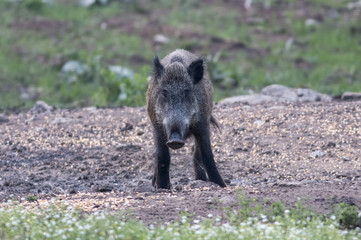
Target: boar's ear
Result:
[195, 70]
[158, 68]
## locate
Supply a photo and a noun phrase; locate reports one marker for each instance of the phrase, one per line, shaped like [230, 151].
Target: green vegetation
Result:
[250, 222]
[314, 44]
[32, 198]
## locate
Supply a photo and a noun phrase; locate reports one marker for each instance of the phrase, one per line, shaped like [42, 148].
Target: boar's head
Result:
[176, 103]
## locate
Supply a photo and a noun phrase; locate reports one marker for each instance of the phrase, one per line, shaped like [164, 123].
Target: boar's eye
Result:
[165, 94]
[187, 93]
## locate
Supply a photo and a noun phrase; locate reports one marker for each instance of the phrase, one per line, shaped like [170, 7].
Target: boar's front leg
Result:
[162, 161]
[197, 164]
[203, 141]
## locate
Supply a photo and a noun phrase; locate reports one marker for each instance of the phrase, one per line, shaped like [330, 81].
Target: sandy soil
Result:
[102, 159]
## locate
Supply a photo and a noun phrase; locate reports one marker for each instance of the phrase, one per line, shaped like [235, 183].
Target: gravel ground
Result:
[102, 159]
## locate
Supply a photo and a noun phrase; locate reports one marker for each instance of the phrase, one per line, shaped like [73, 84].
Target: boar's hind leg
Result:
[204, 143]
[162, 162]
[197, 164]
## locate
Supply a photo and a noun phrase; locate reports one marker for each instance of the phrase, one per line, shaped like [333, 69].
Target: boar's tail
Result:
[215, 123]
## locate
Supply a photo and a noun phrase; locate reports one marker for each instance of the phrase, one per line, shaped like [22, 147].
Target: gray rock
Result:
[89, 3]
[101, 186]
[289, 184]
[346, 158]
[160, 39]
[279, 91]
[201, 184]
[91, 109]
[41, 107]
[75, 67]
[253, 99]
[258, 123]
[40, 129]
[311, 22]
[178, 188]
[3, 118]
[144, 186]
[353, 96]
[317, 154]
[60, 120]
[122, 72]
[184, 180]
[308, 95]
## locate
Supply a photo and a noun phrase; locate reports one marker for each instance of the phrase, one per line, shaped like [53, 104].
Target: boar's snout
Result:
[176, 132]
[175, 141]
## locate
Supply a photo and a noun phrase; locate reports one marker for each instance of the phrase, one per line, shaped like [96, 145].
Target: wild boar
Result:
[179, 104]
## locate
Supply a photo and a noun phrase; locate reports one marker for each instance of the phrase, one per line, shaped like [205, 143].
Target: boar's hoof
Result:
[160, 183]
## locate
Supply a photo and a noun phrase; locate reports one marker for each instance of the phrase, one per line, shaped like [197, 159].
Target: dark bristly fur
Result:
[179, 102]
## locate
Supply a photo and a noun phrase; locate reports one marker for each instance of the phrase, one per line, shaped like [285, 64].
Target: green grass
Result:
[249, 222]
[325, 57]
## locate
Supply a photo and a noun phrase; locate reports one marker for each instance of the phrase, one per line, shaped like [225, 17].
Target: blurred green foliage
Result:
[348, 215]
[312, 44]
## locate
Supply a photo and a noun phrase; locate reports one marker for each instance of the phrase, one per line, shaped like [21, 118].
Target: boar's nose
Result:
[175, 141]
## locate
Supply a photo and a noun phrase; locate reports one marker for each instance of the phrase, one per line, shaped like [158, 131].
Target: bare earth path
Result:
[102, 159]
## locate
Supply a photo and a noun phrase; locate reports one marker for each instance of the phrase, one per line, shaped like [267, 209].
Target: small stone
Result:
[144, 186]
[3, 118]
[201, 184]
[41, 107]
[346, 158]
[289, 184]
[184, 180]
[139, 198]
[311, 22]
[90, 109]
[178, 188]
[227, 181]
[317, 154]
[101, 186]
[278, 93]
[258, 123]
[351, 96]
[331, 144]
[72, 191]
[160, 39]
[284, 93]
[308, 95]
[253, 99]
[59, 120]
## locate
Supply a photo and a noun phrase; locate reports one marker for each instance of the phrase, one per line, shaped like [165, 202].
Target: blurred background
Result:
[73, 53]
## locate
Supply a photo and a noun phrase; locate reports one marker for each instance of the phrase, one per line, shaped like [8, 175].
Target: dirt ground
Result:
[102, 159]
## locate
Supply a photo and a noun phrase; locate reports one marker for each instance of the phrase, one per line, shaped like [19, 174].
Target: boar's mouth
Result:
[175, 141]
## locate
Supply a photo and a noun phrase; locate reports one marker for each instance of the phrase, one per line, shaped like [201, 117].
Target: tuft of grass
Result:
[59, 222]
[348, 216]
[31, 198]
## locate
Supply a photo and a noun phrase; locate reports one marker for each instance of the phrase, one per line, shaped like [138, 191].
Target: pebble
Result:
[160, 39]
[351, 96]
[144, 186]
[3, 118]
[289, 184]
[317, 154]
[41, 107]
[258, 123]
[331, 144]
